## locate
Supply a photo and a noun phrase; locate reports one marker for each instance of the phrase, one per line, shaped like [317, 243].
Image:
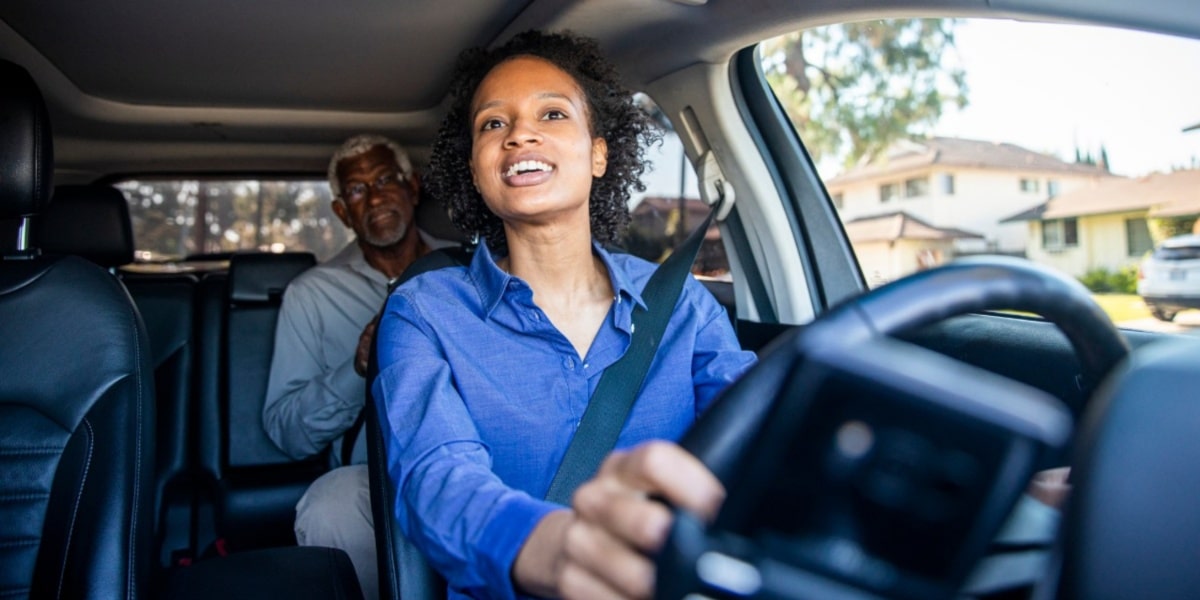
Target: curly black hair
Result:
[614, 116]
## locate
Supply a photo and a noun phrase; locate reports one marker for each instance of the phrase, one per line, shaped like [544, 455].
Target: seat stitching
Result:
[87, 467]
[137, 465]
[30, 451]
[20, 543]
[13, 498]
[15, 592]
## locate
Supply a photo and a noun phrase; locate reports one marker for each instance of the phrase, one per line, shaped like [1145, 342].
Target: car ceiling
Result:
[140, 86]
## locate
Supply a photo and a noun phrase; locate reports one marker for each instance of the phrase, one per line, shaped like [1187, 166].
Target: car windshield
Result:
[1076, 147]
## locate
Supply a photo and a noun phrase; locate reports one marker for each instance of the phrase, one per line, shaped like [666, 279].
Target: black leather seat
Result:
[93, 222]
[76, 396]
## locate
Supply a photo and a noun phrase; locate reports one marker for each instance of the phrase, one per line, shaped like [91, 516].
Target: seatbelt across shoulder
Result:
[619, 385]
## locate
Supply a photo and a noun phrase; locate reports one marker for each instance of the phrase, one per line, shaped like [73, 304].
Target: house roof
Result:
[899, 226]
[1174, 194]
[909, 155]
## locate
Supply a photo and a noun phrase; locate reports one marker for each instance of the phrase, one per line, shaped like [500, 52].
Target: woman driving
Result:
[486, 369]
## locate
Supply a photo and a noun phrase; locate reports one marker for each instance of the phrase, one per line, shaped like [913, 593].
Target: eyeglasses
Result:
[357, 192]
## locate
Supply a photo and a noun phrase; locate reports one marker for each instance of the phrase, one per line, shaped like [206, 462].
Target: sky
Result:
[1052, 88]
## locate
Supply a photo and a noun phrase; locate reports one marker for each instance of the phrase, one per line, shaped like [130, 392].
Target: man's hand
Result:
[602, 547]
[362, 355]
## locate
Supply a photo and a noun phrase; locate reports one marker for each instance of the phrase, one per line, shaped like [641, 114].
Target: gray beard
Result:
[385, 239]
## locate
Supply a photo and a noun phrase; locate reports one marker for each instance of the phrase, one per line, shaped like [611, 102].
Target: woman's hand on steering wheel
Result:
[619, 522]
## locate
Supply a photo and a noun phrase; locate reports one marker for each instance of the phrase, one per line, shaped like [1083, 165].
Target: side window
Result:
[180, 219]
[915, 188]
[670, 208]
[1137, 237]
[887, 191]
[947, 180]
[1058, 234]
[929, 129]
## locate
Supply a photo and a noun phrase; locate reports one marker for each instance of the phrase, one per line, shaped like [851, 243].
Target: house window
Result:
[839, 201]
[1029, 186]
[947, 184]
[916, 187]
[1137, 237]
[888, 191]
[1060, 233]
[1051, 188]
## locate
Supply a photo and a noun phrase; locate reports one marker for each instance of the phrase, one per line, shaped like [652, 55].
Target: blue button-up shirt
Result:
[479, 395]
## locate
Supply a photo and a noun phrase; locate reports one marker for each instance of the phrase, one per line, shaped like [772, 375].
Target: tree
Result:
[854, 89]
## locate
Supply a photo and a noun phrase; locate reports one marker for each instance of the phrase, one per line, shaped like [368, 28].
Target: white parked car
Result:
[1169, 279]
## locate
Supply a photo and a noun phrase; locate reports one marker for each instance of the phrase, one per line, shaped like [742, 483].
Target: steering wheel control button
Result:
[854, 440]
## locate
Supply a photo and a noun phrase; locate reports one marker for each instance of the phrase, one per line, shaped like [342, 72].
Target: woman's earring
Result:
[475, 239]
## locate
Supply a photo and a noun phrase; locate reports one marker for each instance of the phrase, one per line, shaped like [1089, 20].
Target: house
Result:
[897, 243]
[1112, 224]
[957, 185]
[658, 226]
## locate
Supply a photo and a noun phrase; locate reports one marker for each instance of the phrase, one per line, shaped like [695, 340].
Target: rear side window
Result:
[180, 219]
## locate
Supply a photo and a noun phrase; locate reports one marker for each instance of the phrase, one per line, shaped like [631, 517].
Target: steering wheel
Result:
[723, 436]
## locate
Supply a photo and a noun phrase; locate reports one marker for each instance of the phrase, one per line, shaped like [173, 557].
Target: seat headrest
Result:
[27, 162]
[261, 277]
[91, 221]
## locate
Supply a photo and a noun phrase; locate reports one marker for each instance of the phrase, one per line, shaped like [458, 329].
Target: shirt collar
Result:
[352, 258]
[491, 281]
[355, 261]
[622, 286]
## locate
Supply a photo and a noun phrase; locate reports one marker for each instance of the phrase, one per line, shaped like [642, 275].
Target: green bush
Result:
[1103, 281]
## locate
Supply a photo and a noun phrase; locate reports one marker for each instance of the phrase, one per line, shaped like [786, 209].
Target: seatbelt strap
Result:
[619, 385]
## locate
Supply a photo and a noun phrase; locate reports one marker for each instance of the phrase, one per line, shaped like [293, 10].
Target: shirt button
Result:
[533, 315]
[587, 366]
[632, 327]
[569, 363]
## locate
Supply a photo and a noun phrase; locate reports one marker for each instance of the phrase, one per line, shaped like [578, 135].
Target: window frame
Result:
[1067, 229]
[1147, 240]
[916, 187]
[888, 192]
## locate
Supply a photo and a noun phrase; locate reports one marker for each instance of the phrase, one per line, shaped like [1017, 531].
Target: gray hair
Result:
[360, 144]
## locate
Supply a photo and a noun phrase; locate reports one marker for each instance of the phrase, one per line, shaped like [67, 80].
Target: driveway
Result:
[1187, 322]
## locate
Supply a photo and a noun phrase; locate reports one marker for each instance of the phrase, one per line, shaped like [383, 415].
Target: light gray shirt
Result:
[314, 393]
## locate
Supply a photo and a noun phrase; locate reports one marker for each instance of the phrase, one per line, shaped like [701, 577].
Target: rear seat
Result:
[255, 486]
